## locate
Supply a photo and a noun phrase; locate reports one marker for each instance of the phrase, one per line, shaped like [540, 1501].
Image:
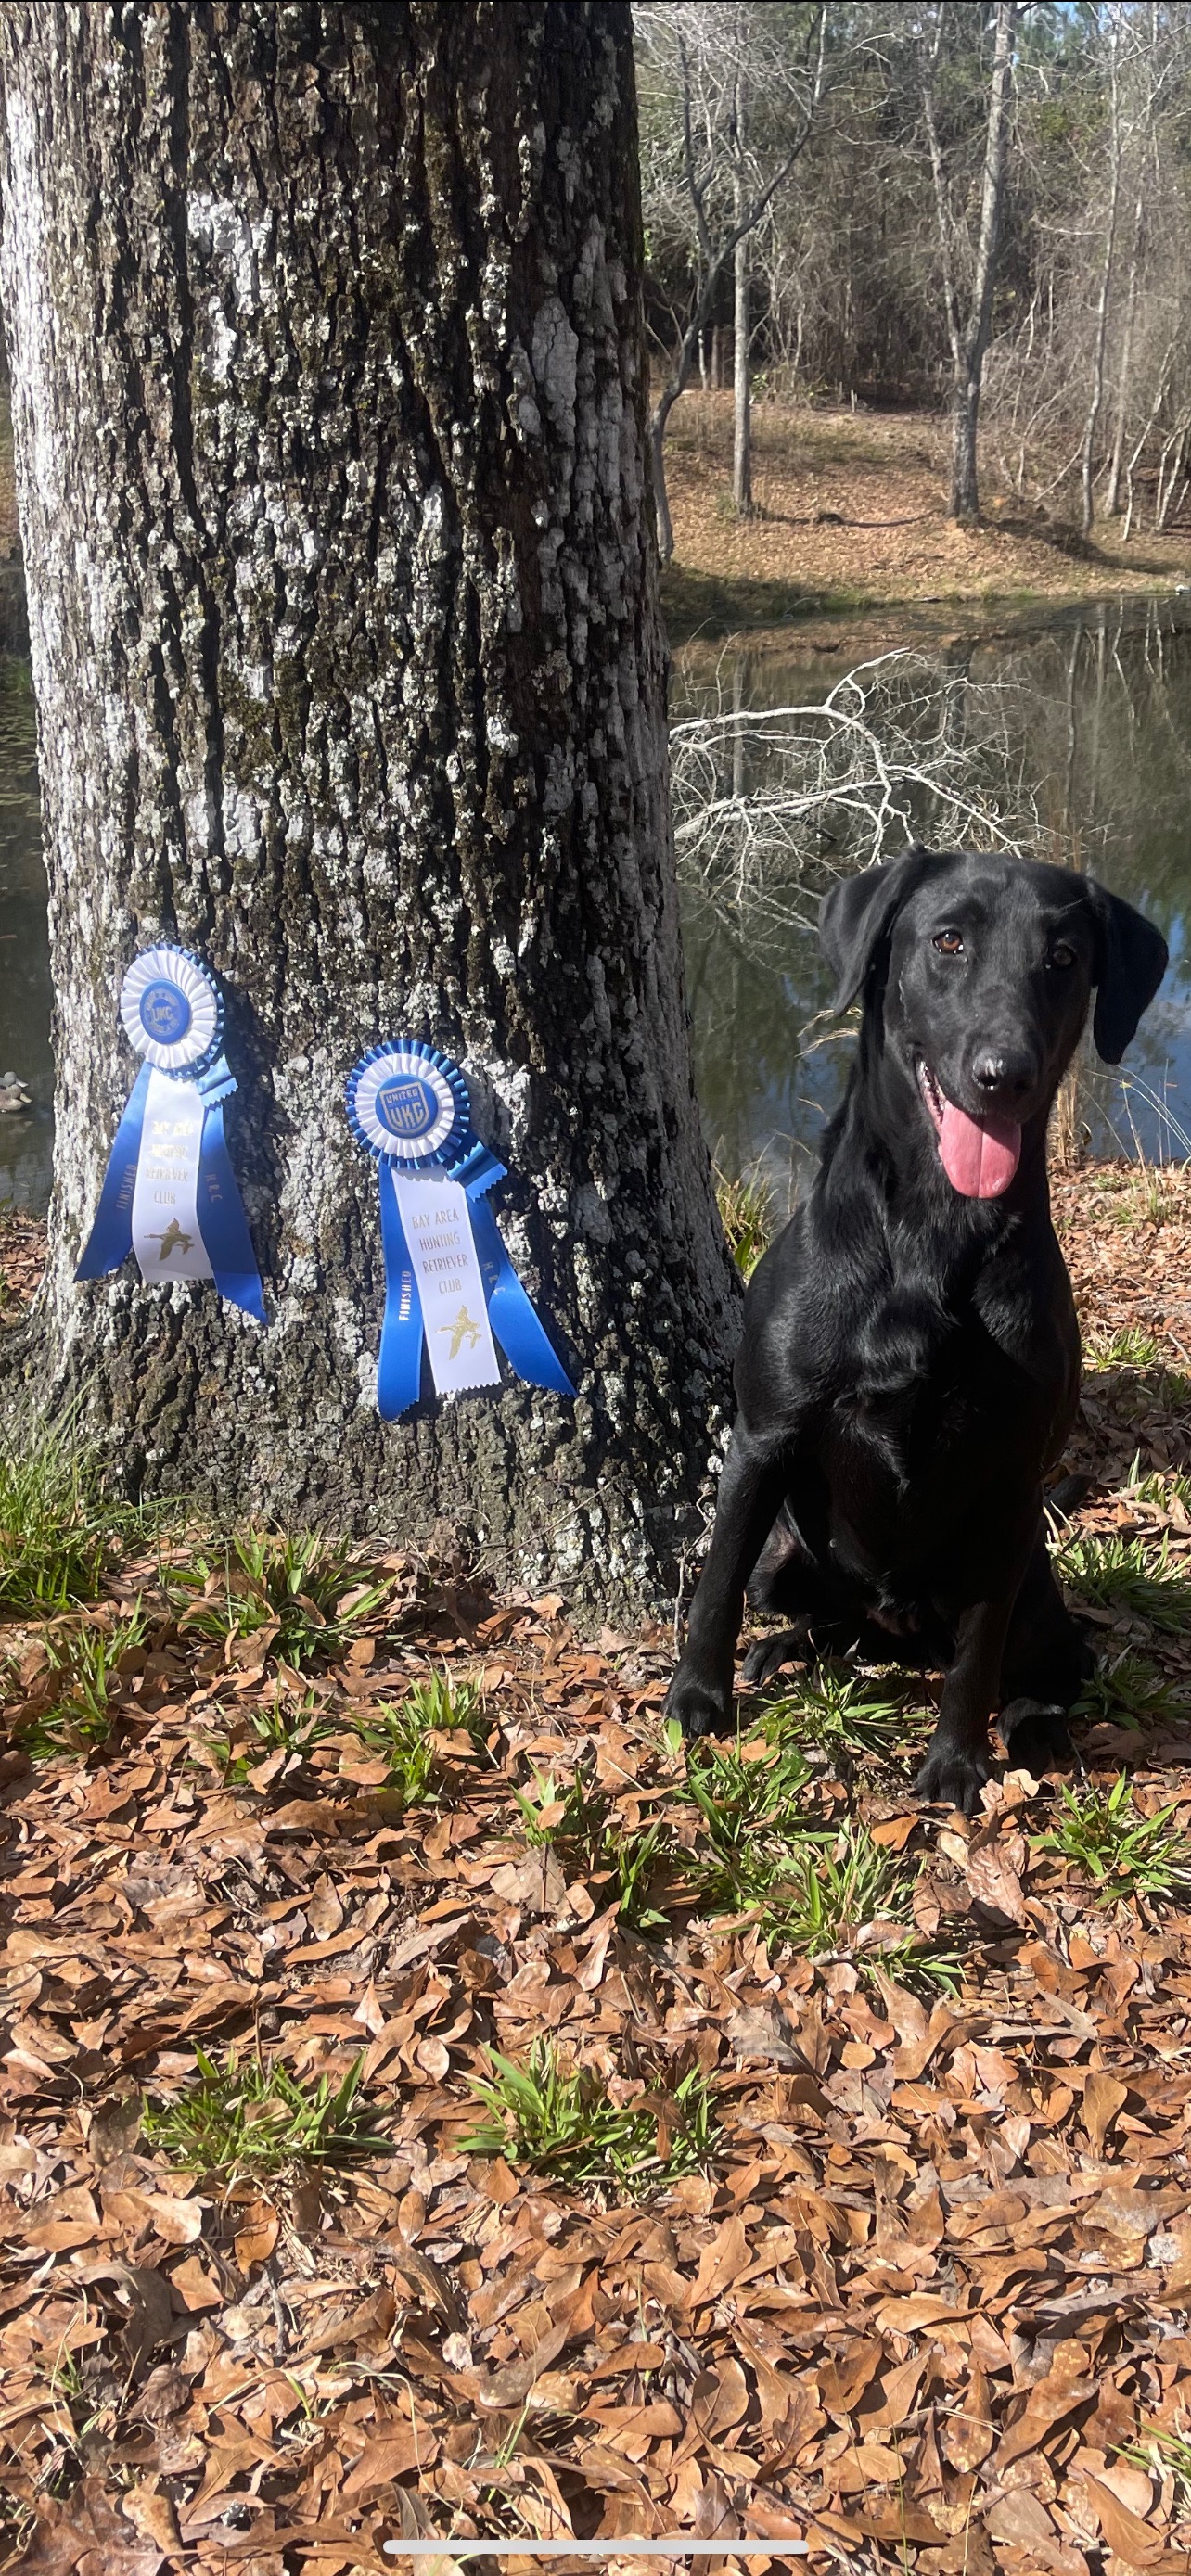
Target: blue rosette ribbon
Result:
[408, 1107]
[169, 1192]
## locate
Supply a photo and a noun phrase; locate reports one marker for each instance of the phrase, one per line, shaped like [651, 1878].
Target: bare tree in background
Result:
[1092, 379]
[742, 415]
[1144, 179]
[969, 333]
[710, 173]
[1104, 286]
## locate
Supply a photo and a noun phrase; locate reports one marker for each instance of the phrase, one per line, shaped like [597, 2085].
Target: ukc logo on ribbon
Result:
[169, 1193]
[450, 1286]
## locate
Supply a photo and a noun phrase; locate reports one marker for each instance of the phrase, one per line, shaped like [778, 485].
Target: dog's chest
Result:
[920, 1403]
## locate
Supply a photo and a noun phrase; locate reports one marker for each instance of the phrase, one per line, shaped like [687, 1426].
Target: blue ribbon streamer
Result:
[390, 1123]
[515, 1325]
[218, 1205]
[510, 1313]
[110, 1240]
[399, 1370]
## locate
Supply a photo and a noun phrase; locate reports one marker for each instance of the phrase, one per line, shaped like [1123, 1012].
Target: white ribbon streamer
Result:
[438, 1232]
[166, 1236]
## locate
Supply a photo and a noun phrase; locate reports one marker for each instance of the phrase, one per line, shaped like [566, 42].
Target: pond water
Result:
[1070, 729]
[1074, 726]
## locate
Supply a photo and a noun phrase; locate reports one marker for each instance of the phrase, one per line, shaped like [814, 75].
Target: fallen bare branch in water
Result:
[770, 802]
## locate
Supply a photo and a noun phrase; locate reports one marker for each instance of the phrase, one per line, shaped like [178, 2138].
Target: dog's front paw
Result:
[767, 1656]
[699, 1708]
[1037, 1736]
[953, 1775]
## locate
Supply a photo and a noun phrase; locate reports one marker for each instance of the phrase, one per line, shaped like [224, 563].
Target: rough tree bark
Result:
[329, 394]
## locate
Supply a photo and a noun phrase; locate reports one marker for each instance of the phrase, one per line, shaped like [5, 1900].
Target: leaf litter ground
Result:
[428, 2112]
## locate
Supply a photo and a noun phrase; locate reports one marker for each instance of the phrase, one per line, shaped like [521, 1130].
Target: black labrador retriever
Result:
[909, 1368]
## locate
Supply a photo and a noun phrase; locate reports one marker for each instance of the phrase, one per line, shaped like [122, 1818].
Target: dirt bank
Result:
[851, 513]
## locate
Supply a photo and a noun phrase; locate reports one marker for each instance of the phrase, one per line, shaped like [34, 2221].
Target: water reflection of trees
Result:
[1070, 741]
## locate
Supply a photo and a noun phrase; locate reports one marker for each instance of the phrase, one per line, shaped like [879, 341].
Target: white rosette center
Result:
[170, 1009]
[405, 1106]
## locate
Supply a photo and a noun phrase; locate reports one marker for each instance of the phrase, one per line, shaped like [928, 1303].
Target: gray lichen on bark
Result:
[329, 405]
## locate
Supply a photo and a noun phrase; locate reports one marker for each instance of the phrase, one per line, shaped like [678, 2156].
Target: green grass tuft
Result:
[637, 1862]
[303, 1590]
[855, 1899]
[752, 1811]
[251, 2118]
[748, 1217]
[1131, 1575]
[285, 1726]
[559, 2121]
[80, 1718]
[1163, 1486]
[555, 1811]
[404, 1735]
[1130, 1348]
[845, 1716]
[1130, 1692]
[1105, 1837]
[816, 1889]
[575, 1816]
[57, 1528]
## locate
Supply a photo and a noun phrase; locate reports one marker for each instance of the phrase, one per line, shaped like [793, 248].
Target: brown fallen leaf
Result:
[177, 2222]
[1178, 2277]
[719, 2263]
[992, 1866]
[1103, 2097]
[81, 2535]
[967, 2436]
[908, 2316]
[195, 2287]
[1019, 2518]
[1127, 2535]
[538, 1882]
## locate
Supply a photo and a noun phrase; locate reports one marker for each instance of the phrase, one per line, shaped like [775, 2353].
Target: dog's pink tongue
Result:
[979, 1155]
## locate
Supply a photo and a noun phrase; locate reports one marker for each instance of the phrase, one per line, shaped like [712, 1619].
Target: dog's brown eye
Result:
[949, 943]
[1062, 955]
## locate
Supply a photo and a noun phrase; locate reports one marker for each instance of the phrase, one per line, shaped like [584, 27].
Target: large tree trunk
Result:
[329, 394]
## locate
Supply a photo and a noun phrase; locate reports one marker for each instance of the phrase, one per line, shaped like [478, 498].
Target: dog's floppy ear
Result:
[1130, 963]
[859, 913]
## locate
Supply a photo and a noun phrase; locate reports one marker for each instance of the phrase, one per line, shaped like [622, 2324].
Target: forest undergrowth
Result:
[435, 2104]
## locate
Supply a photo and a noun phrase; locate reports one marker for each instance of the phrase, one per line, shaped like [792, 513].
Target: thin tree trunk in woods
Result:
[1096, 393]
[965, 495]
[329, 392]
[1112, 498]
[714, 255]
[742, 428]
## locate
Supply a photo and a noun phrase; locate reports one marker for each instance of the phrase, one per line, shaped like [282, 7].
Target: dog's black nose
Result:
[1000, 1074]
